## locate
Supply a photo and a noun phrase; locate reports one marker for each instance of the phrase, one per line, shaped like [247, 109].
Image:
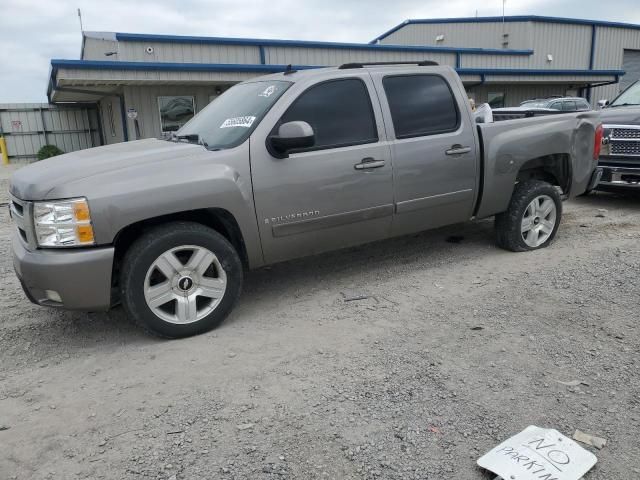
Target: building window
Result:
[421, 105]
[175, 111]
[496, 99]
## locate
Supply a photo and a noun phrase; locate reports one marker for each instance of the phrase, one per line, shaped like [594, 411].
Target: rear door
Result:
[433, 147]
[335, 194]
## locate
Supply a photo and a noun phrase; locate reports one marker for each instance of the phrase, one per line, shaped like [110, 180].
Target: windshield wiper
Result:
[190, 137]
[624, 105]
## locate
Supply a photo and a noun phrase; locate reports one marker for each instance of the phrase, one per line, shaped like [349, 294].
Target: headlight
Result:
[63, 223]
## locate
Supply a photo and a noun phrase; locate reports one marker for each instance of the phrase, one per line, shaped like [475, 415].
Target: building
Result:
[146, 85]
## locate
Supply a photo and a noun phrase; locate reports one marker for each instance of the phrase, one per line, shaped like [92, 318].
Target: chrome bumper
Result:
[619, 177]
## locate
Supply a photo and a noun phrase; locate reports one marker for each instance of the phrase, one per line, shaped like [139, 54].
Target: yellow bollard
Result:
[3, 151]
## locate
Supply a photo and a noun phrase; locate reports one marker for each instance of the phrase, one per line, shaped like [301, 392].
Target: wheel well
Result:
[555, 169]
[218, 219]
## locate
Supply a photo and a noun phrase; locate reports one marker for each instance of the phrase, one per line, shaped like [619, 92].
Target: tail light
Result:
[597, 143]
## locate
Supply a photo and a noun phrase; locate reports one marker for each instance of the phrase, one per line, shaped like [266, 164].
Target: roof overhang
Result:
[88, 80]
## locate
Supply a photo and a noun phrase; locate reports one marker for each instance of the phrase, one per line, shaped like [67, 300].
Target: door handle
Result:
[457, 149]
[369, 163]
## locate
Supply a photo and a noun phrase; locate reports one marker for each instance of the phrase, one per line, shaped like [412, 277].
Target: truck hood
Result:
[36, 181]
[621, 115]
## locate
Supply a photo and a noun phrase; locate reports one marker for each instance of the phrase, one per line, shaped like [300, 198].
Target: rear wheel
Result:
[180, 279]
[532, 219]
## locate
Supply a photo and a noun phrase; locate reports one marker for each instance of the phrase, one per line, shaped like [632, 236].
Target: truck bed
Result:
[509, 144]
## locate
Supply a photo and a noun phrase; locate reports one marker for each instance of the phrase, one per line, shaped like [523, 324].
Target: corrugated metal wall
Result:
[186, 52]
[28, 127]
[481, 35]
[515, 94]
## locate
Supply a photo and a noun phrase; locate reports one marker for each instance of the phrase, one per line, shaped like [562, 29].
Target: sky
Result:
[32, 32]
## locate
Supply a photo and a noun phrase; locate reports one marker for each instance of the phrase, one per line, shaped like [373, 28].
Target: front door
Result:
[332, 195]
[434, 149]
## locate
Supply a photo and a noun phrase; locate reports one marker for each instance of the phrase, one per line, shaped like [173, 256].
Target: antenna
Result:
[80, 18]
[503, 29]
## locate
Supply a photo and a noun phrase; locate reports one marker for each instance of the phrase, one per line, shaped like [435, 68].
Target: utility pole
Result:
[503, 29]
[80, 18]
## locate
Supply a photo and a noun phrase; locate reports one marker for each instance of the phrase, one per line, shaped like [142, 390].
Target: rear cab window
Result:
[421, 105]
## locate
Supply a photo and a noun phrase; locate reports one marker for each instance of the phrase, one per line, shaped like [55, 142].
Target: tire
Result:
[180, 279]
[523, 213]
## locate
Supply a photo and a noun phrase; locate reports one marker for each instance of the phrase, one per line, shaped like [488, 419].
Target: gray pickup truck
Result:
[620, 155]
[279, 167]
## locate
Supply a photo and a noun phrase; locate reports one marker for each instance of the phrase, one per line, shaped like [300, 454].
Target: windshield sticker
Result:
[238, 122]
[268, 91]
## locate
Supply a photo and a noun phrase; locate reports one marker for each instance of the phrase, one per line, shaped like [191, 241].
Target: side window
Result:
[496, 99]
[569, 106]
[556, 106]
[421, 105]
[583, 105]
[339, 111]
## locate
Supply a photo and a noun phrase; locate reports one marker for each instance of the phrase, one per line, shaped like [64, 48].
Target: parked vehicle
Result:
[280, 167]
[620, 156]
[544, 106]
[564, 104]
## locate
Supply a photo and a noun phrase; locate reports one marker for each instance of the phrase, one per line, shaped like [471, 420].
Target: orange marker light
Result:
[81, 212]
[84, 233]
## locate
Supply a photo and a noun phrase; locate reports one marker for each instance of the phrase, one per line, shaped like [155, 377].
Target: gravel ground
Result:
[457, 346]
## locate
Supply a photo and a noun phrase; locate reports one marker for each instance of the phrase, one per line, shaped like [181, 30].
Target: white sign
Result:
[538, 454]
[238, 122]
[132, 113]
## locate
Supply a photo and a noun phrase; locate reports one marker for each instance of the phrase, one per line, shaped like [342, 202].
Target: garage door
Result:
[631, 65]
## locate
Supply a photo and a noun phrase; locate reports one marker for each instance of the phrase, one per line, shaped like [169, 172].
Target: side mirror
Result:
[603, 103]
[291, 136]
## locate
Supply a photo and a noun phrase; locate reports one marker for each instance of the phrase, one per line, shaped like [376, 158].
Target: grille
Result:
[625, 148]
[630, 133]
[21, 215]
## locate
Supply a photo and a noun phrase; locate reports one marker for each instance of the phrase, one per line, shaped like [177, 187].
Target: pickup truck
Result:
[283, 166]
[620, 155]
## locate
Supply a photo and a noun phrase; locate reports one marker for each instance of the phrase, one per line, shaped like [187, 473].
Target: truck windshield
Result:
[229, 120]
[631, 96]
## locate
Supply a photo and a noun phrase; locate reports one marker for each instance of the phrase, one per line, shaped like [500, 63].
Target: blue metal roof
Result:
[260, 68]
[178, 67]
[263, 42]
[512, 18]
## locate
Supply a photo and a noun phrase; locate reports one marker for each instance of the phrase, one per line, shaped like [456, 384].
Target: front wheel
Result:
[180, 279]
[532, 219]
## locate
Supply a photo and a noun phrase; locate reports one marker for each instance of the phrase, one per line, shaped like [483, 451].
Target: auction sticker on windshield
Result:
[538, 454]
[238, 122]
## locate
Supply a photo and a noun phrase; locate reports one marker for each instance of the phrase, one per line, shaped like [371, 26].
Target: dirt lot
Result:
[457, 346]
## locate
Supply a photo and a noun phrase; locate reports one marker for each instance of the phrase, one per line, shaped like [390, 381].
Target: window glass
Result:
[420, 105]
[175, 111]
[496, 99]
[233, 116]
[584, 105]
[556, 106]
[339, 111]
[569, 106]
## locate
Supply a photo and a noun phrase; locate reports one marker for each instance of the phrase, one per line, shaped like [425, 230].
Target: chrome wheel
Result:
[185, 284]
[538, 221]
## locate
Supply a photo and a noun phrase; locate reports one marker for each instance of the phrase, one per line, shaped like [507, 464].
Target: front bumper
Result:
[80, 277]
[623, 177]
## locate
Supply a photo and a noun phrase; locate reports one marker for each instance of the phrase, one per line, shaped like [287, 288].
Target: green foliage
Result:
[48, 151]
